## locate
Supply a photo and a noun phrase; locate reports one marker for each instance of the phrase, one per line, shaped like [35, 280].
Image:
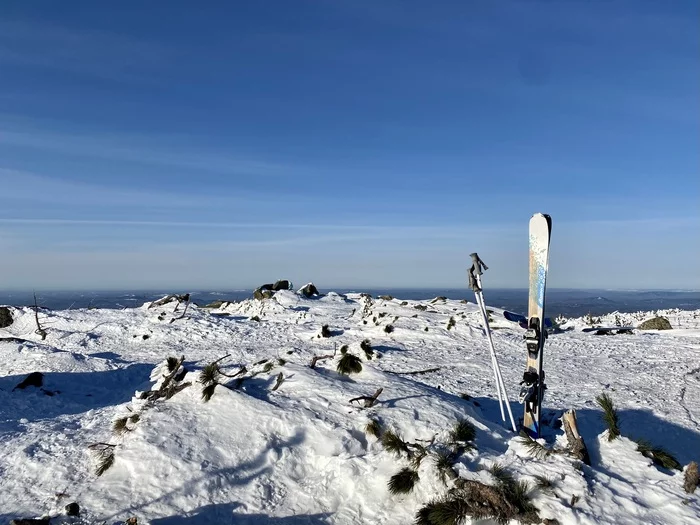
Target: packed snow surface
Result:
[299, 454]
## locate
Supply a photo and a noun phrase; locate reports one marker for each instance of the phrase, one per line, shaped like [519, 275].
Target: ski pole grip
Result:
[477, 269]
[477, 263]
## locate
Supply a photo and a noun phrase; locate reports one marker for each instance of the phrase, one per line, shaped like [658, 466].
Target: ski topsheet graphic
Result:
[533, 379]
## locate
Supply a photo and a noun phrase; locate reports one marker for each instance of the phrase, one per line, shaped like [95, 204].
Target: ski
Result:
[522, 320]
[532, 385]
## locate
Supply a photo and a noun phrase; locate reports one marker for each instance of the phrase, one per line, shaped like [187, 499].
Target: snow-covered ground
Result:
[299, 454]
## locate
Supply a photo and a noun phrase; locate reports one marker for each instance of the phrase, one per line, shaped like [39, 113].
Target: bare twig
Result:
[39, 330]
[280, 380]
[184, 312]
[317, 358]
[416, 372]
[369, 400]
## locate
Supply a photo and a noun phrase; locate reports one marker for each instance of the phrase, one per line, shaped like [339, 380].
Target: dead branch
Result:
[317, 358]
[577, 447]
[240, 372]
[416, 372]
[39, 330]
[280, 380]
[369, 400]
[184, 312]
[101, 446]
[166, 390]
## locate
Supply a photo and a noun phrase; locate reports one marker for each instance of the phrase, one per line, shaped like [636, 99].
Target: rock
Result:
[386, 297]
[263, 293]
[5, 317]
[282, 285]
[73, 509]
[34, 379]
[215, 304]
[308, 290]
[657, 323]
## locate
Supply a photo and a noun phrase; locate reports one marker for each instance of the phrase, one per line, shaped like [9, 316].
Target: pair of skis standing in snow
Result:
[532, 385]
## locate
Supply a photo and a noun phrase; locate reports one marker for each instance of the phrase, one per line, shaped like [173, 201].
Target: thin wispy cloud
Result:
[101, 54]
[158, 150]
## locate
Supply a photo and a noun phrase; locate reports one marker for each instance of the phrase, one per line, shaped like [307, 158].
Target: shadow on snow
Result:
[634, 424]
[73, 393]
[224, 514]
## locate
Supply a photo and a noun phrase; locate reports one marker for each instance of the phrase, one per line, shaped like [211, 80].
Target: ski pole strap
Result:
[478, 267]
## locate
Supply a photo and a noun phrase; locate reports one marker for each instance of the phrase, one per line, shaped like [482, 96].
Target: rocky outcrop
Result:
[5, 317]
[308, 290]
[657, 323]
[266, 291]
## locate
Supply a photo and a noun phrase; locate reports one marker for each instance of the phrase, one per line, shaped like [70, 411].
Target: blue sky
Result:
[352, 143]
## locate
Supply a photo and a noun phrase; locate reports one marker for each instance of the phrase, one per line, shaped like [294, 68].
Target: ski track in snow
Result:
[299, 455]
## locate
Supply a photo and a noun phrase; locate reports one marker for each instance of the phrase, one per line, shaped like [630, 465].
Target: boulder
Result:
[5, 317]
[657, 323]
[263, 293]
[308, 290]
[73, 509]
[282, 285]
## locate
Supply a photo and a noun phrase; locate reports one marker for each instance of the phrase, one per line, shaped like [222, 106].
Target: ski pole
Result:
[479, 300]
[475, 283]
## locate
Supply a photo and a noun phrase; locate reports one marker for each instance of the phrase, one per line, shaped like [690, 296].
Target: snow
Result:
[299, 454]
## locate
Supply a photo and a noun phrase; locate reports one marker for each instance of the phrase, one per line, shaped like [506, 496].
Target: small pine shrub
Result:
[135, 418]
[344, 349]
[449, 511]
[451, 323]
[255, 318]
[119, 426]
[499, 472]
[444, 461]
[105, 460]
[426, 328]
[388, 329]
[403, 481]
[463, 432]
[325, 331]
[209, 374]
[268, 367]
[519, 495]
[281, 361]
[366, 347]
[349, 364]
[609, 416]
[658, 455]
[392, 442]
[373, 428]
[208, 391]
[534, 448]
[544, 483]
[172, 363]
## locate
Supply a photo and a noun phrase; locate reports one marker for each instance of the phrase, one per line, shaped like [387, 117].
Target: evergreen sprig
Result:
[533, 447]
[463, 433]
[609, 415]
[658, 455]
[392, 442]
[349, 364]
[373, 428]
[403, 481]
